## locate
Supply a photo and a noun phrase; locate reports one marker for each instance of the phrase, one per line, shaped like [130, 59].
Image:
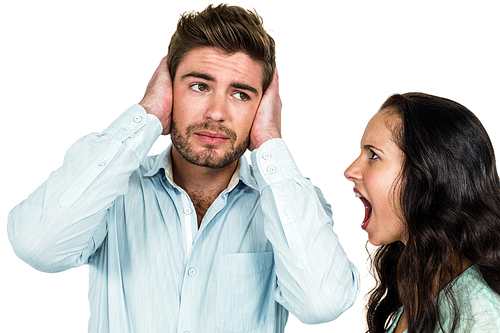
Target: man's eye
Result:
[199, 87]
[241, 96]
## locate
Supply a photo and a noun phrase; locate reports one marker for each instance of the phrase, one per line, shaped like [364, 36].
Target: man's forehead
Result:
[213, 63]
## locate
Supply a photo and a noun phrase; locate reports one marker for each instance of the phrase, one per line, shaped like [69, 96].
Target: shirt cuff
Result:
[131, 121]
[273, 163]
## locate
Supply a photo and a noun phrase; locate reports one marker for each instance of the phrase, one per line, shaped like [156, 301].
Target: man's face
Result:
[215, 98]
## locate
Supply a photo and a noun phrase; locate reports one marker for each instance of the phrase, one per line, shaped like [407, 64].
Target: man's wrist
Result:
[274, 163]
[257, 143]
[164, 120]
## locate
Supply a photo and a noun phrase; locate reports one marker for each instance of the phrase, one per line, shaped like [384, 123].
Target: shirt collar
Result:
[161, 162]
[244, 172]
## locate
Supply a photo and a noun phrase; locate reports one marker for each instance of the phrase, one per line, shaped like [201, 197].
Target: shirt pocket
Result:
[245, 291]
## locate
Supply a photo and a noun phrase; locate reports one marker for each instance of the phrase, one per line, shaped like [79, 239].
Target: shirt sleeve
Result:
[316, 281]
[64, 221]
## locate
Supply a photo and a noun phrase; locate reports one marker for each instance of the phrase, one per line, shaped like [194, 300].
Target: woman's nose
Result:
[353, 172]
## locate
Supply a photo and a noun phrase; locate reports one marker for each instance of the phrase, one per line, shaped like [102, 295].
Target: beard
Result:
[209, 157]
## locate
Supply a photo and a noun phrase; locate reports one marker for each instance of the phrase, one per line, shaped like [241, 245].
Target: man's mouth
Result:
[368, 209]
[211, 138]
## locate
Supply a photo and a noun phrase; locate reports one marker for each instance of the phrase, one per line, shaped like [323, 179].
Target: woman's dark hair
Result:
[450, 206]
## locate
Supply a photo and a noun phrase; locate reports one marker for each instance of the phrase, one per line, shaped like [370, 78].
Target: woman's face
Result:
[374, 175]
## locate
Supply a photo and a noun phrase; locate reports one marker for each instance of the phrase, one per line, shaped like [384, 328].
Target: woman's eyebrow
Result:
[370, 147]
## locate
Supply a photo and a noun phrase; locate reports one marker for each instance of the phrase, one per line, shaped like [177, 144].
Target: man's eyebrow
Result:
[210, 78]
[370, 147]
[244, 87]
[199, 76]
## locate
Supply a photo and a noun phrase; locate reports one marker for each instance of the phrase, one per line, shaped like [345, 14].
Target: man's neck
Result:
[202, 184]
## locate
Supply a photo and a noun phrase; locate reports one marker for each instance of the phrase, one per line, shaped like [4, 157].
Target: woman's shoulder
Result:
[478, 305]
[471, 287]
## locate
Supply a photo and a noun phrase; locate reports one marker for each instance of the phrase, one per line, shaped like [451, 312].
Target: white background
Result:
[69, 68]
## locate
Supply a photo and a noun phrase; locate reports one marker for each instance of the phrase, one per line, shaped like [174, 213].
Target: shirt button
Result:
[102, 163]
[266, 156]
[191, 272]
[138, 119]
[187, 211]
[271, 169]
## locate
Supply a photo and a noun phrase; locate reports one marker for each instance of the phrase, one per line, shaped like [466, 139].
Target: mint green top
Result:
[479, 305]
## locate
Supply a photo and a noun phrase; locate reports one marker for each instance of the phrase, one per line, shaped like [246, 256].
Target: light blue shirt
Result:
[266, 245]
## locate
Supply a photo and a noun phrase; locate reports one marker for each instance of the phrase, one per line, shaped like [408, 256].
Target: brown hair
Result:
[227, 28]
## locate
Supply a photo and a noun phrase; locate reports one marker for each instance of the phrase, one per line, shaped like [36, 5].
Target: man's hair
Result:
[229, 29]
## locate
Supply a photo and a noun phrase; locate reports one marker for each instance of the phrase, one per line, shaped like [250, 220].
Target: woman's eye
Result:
[199, 87]
[374, 155]
[241, 96]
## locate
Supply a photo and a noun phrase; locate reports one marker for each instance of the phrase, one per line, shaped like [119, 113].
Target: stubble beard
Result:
[209, 157]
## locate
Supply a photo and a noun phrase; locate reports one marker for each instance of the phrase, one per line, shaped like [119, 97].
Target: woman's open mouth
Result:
[368, 209]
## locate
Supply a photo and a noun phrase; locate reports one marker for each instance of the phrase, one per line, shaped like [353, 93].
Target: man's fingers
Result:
[274, 85]
[276, 80]
[267, 122]
[163, 67]
[157, 99]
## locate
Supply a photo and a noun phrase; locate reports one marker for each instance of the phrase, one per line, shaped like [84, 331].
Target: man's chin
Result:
[214, 158]
[209, 159]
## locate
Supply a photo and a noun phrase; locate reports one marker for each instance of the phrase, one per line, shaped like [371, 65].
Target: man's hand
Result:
[158, 97]
[267, 122]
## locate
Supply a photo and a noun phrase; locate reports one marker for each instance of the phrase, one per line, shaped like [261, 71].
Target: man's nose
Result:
[217, 108]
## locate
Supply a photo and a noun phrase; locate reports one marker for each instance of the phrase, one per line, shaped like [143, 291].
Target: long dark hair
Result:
[450, 206]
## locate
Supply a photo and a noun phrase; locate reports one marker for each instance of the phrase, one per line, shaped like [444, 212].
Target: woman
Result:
[428, 180]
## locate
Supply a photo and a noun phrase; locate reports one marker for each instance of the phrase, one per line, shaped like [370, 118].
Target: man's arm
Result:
[316, 281]
[63, 222]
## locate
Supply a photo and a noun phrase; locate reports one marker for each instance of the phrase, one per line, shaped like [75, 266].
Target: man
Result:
[193, 239]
